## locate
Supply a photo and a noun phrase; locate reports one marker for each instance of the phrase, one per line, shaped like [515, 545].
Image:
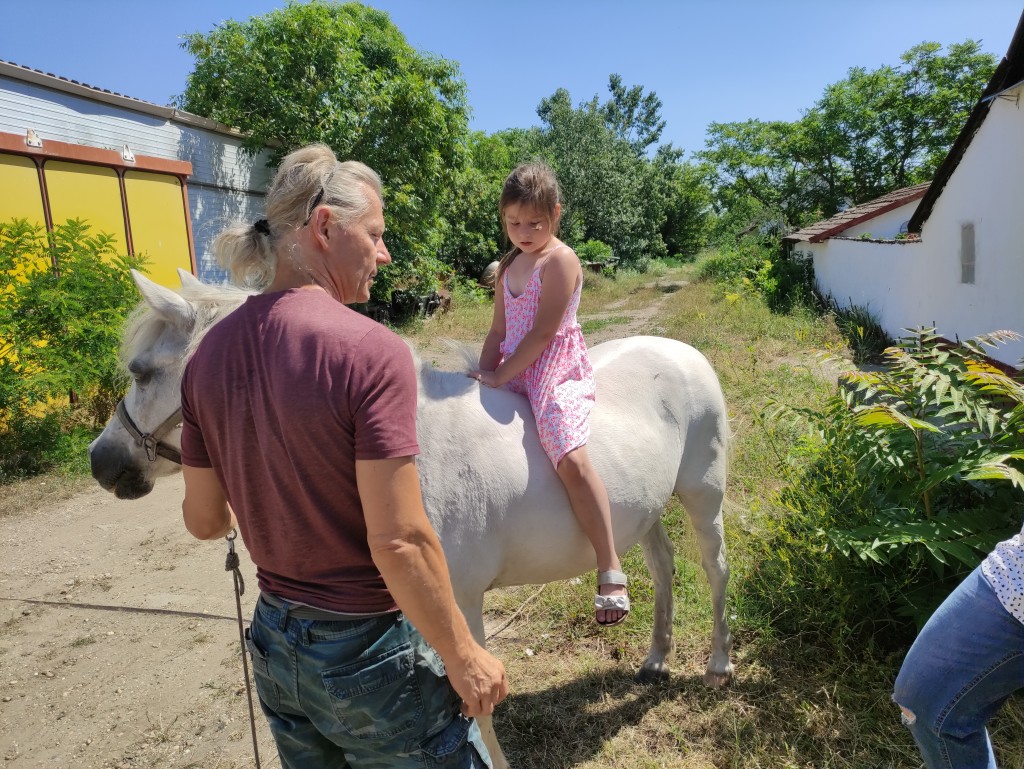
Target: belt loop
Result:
[282, 623]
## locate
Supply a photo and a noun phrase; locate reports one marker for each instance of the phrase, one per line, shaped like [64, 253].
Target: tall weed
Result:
[906, 478]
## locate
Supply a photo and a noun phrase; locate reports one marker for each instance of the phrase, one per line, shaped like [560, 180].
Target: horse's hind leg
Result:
[659, 555]
[473, 610]
[704, 507]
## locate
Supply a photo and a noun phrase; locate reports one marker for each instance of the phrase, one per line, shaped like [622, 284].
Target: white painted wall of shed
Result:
[225, 181]
[916, 284]
[987, 190]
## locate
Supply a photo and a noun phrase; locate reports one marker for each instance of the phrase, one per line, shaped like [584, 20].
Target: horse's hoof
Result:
[715, 680]
[651, 675]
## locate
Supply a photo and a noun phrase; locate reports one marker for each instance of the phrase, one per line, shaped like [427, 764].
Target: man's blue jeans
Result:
[365, 693]
[967, 660]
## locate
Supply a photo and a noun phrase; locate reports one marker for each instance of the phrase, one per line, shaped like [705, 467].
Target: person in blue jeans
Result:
[966, 662]
[299, 425]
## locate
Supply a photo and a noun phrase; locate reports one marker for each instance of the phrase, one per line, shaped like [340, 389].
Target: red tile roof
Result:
[851, 217]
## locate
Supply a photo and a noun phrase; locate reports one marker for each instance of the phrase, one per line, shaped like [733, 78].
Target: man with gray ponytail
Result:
[299, 418]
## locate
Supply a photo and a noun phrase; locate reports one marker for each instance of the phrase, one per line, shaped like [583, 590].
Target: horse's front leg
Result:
[473, 610]
[659, 556]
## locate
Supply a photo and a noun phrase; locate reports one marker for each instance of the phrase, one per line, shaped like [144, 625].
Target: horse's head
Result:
[141, 441]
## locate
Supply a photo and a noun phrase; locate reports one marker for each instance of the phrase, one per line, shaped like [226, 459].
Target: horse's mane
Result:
[437, 383]
[209, 304]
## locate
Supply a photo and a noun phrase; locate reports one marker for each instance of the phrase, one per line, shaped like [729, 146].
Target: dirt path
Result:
[155, 681]
[118, 643]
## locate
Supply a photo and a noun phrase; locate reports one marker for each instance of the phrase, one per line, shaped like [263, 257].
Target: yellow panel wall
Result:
[92, 193]
[156, 214]
[20, 196]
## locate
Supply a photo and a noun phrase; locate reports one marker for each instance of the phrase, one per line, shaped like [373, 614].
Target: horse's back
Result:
[491, 490]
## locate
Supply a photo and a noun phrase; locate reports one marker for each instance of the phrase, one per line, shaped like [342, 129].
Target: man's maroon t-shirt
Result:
[280, 399]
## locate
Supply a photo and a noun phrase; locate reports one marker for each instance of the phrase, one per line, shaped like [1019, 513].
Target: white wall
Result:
[917, 283]
[987, 189]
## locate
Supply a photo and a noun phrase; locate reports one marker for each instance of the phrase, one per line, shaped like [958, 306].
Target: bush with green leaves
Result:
[66, 295]
[594, 251]
[861, 329]
[906, 479]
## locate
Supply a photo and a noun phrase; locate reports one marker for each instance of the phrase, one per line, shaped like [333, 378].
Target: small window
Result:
[967, 253]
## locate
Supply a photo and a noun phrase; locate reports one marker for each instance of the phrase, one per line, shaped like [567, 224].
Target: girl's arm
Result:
[560, 275]
[490, 355]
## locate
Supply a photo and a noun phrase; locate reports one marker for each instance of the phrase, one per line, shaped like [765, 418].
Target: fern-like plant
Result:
[932, 450]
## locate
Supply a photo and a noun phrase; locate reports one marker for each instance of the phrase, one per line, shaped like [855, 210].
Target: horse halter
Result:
[151, 441]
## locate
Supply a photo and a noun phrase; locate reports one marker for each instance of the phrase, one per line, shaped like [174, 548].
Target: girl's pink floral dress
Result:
[560, 383]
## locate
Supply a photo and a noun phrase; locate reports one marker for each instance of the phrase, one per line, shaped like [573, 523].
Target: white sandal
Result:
[611, 602]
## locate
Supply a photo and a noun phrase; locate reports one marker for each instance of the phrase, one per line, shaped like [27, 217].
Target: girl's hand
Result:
[488, 378]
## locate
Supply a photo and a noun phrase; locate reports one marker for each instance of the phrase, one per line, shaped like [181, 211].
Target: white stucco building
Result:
[949, 254]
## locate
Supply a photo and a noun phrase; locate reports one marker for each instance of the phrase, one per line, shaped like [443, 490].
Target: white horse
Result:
[502, 515]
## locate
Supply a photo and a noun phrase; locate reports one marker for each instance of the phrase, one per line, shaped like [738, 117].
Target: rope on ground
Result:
[516, 613]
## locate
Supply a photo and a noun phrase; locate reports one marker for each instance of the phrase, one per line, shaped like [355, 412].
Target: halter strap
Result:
[151, 441]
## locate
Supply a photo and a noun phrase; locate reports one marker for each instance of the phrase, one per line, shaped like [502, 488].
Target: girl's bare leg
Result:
[589, 501]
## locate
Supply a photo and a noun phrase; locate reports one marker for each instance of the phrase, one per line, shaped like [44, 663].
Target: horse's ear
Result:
[188, 280]
[164, 302]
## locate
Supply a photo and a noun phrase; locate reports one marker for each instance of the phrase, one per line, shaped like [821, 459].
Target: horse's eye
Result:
[140, 374]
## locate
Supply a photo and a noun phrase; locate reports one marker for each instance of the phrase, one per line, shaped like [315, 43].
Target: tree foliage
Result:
[60, 329]
[60, 326]
[871, 133]
[344, 75]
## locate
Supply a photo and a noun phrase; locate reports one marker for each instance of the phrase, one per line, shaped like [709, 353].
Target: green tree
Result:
[873, 132]
[634, 116]
[60, 328]
[344, 75]
[686, 201]
[472, 236]
[756, 172]
[605, 183]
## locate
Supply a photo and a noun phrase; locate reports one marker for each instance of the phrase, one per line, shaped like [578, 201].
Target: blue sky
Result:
[721, 61]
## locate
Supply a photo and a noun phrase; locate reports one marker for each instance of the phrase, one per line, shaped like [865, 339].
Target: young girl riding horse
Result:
[535, 347]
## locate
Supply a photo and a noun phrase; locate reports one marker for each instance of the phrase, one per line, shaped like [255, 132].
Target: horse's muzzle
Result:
[114, 470]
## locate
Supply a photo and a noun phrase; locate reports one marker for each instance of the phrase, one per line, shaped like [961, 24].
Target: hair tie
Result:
[262, 226]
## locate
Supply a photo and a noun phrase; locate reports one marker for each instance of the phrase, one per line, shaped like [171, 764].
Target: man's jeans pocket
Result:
[452, 746]
[377, 698]
[267, 690]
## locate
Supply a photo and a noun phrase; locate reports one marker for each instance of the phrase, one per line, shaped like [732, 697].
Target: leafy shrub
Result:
[908, 477]
[65, 298]
[730, 264]
[860, 328]
[785, 280]
[594, 251]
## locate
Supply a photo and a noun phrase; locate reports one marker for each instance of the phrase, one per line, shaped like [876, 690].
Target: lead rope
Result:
[231, 564]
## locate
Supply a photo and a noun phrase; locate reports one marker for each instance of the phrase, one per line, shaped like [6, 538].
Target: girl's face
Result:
[529, 230]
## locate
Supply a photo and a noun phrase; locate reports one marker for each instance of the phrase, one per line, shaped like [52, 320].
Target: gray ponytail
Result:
[249, 252]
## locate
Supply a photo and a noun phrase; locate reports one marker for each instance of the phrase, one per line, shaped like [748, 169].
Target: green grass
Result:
[596, 324]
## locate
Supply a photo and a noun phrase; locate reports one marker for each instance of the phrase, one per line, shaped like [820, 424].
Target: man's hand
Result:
[479, 680]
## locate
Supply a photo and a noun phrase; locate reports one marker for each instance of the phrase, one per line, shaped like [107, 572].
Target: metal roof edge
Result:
[63, 85]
